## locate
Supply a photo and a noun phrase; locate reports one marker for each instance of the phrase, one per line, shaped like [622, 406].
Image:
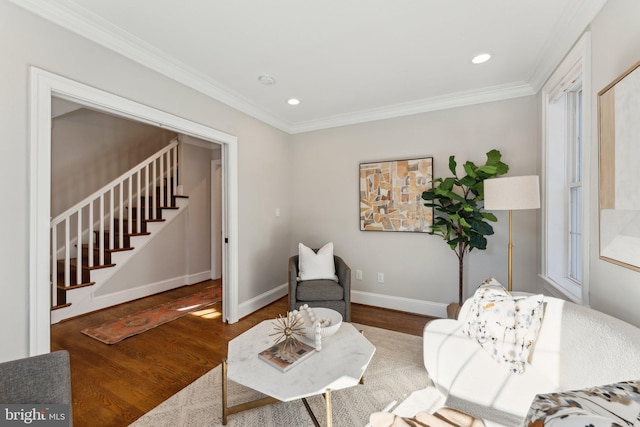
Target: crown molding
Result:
[90, 26]
[570, 27]
[454, 100]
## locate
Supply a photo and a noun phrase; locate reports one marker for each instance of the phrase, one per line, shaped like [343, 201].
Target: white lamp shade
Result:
[512, 193]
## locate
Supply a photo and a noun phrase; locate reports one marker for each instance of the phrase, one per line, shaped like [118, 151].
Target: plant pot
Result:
[453, 310]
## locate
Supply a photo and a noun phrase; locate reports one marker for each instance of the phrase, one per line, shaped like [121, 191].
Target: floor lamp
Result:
[509, 194]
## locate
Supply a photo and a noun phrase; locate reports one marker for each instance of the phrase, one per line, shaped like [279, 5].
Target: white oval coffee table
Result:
[341, 363]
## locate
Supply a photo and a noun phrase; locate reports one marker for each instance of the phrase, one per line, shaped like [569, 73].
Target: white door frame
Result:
[217, 202]
[44, 85]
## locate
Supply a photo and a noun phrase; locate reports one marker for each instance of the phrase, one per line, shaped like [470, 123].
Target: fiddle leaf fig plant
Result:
[458, 203]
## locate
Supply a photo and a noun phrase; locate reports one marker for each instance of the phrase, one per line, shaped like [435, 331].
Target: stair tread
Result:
[96, 248]
[110, 251]
[57, 307]
[73, 262]
[70, 287]
[128, 248]
[125, 220]
[115, 233]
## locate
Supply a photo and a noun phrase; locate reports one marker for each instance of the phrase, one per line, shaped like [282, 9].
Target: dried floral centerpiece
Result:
[288, 329]
[287, 349]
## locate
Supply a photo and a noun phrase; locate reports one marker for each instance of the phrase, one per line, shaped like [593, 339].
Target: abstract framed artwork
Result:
[391, 195]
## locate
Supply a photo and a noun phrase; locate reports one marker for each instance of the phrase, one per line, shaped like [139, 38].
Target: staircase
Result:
[92, 239]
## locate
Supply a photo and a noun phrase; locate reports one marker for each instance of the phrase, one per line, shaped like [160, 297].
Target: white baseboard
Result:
[139, 292]
[427, 308]
[84, 301]
[192, 279]
[262, 300]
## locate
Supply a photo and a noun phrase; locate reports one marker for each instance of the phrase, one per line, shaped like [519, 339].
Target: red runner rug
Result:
[117, 330]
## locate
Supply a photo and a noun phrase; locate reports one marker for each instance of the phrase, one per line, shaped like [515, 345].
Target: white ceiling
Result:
[348, 61]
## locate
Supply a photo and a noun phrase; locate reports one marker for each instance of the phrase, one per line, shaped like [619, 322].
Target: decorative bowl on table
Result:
[330, 321]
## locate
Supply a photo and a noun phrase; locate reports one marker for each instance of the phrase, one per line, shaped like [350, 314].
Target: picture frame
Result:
[619, 200]
[391, 195]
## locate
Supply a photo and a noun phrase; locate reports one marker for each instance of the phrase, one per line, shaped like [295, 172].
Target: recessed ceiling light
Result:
[293, 101]
[267, 80]
[479, 59]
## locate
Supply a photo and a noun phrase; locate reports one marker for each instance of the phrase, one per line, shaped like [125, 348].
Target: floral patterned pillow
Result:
[504, 326]
[604, 406]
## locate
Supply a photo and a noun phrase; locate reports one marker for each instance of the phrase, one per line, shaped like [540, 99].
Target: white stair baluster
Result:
[162, 201]
[90, 236]
[67, 255]
[54, 266]
[153, 191]
[146, 191]
[129, 215]
[174, 156]
[101, 234]
[111, 222]
[138, 204]
[120, 216]
[79, 249]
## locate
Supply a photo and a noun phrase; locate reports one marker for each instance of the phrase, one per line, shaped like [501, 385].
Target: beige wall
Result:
[162, 260]
[416, 266]
[196, 179]
[615, 47]
[264, 157]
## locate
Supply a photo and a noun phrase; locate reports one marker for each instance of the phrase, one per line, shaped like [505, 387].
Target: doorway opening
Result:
[45, 85]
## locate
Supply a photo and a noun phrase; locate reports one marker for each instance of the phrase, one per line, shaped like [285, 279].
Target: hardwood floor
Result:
[113, 385]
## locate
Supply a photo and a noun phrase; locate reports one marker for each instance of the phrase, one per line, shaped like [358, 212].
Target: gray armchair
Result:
[322, 293]
[43, 379]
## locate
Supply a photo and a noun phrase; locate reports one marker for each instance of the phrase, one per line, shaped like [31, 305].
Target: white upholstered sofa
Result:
[576, 347]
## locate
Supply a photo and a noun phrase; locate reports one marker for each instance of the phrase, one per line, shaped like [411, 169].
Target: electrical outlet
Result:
[380, 277]
[358, 274]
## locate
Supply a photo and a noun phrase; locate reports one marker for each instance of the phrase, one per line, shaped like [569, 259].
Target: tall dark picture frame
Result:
[391, 195]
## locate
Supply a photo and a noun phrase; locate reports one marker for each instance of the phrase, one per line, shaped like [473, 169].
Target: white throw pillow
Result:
[504, 326]
[316, 266]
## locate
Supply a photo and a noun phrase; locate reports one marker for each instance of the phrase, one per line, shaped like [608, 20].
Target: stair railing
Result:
[135, 188]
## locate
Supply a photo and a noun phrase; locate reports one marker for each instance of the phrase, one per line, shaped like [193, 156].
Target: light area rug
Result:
[395, 379]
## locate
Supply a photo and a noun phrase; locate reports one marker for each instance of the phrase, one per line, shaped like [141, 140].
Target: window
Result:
[574, 186]
[565, 105]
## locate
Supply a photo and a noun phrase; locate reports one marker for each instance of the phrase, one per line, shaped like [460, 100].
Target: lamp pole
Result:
[510, 251]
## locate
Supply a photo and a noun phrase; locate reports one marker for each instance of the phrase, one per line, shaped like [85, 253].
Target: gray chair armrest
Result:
[343, 271]
[293, 281]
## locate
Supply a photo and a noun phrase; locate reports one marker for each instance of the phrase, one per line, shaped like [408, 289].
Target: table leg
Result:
[310, 412]
[230, 410]
[224, 392]
[327, 397]
[362, 377]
